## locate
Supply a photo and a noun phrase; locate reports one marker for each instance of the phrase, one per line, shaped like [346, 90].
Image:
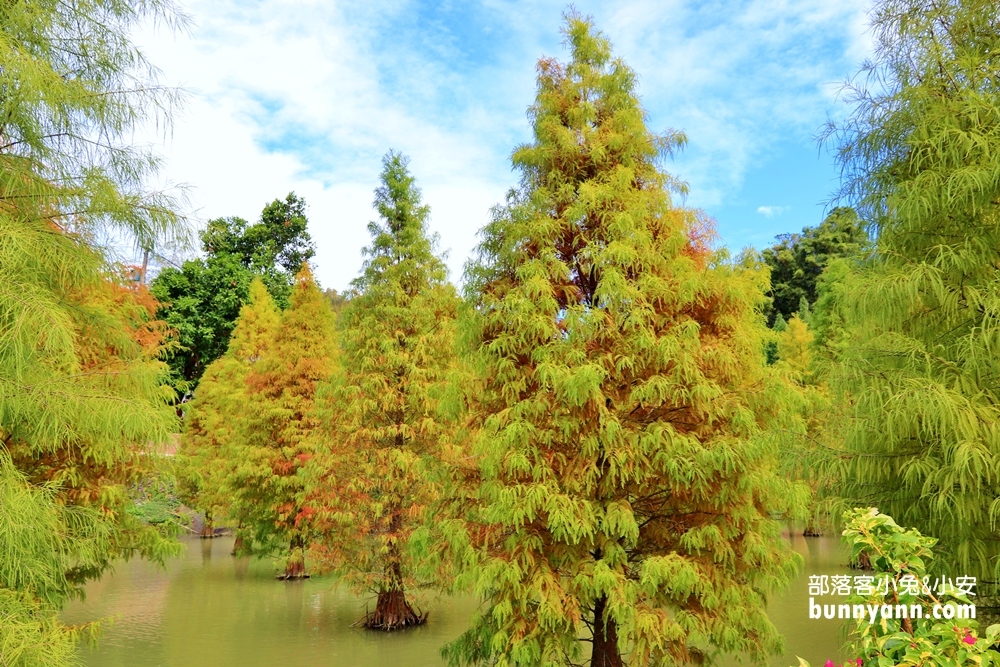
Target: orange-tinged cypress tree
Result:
[80, 382]
[210, 439]
[397, 337]
[268, 493]
[117, 344]
[625, 490]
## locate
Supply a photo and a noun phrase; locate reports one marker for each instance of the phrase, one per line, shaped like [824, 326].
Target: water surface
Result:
[208, 609]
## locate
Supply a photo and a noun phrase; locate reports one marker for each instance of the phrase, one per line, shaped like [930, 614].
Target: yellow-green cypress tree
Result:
[795, 350]
[210, 439]
[397, 337]
[80, 384]
[624, 489]
[921, 154]
[269, 495]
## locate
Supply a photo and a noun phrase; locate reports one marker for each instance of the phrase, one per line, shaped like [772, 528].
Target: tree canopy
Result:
[202, 299]
[270, 498]
[798, 260]
[921, 156]
[623, 493]
[211, 437]
[81, 387]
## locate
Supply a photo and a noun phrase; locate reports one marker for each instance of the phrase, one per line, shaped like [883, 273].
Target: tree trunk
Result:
[862, 562]
[605, 638]
[207, 528]
[392, 610]
[295, 567]
[237, 546]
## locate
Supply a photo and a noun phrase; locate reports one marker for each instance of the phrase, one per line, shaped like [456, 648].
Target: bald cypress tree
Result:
[80, 383]
[211, 439]
[921, 156]
[624, 492]
[269, 495]
[397, 336]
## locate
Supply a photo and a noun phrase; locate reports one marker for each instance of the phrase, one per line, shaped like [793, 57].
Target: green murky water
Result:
[209, 609]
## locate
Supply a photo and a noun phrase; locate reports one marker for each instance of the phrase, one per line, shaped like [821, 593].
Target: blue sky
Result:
[307, 95]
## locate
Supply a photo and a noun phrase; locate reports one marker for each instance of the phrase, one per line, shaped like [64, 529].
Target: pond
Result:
[209, 609]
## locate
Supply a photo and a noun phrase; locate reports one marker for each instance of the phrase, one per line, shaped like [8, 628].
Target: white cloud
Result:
[769, 211]
[308, 95]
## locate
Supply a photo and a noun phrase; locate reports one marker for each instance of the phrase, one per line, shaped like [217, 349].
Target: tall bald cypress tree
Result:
[922, 158]
[624, 491]
[397, 336]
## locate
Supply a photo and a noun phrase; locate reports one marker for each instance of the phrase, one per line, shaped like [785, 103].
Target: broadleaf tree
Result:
[202, 299]
[397, 336]
[624, 490]
[798, 260]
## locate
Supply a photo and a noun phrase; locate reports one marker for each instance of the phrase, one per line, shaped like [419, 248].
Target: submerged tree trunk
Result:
[605, 638]
[238, 544]
[295, 567]
[392, 610]
[207, 528]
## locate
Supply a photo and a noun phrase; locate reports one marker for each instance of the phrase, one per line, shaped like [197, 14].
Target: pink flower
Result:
[829, 663]
[858, 662]
[969, 639]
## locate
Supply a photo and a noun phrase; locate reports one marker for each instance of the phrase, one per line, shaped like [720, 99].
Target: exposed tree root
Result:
[295, 569]
[393, 612]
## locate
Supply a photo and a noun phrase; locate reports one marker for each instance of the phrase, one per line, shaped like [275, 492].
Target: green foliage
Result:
[795, 352]
[922, 157]
[771, 346]
[155, 500]
[798, 260]
[81, 392]
[397, 336]
[203, 298]
[39, 539]
[830, 316]
[211, 438]
[268, 495]
[278, 241]
[909, 642]
[70, 74]
[624, 490]
[201, 304]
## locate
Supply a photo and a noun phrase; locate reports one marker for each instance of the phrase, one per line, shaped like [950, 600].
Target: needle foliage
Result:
[210, 440]
[624, 492]
[81, 394]
[921, 156]
[269, 495]
[397, 337]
